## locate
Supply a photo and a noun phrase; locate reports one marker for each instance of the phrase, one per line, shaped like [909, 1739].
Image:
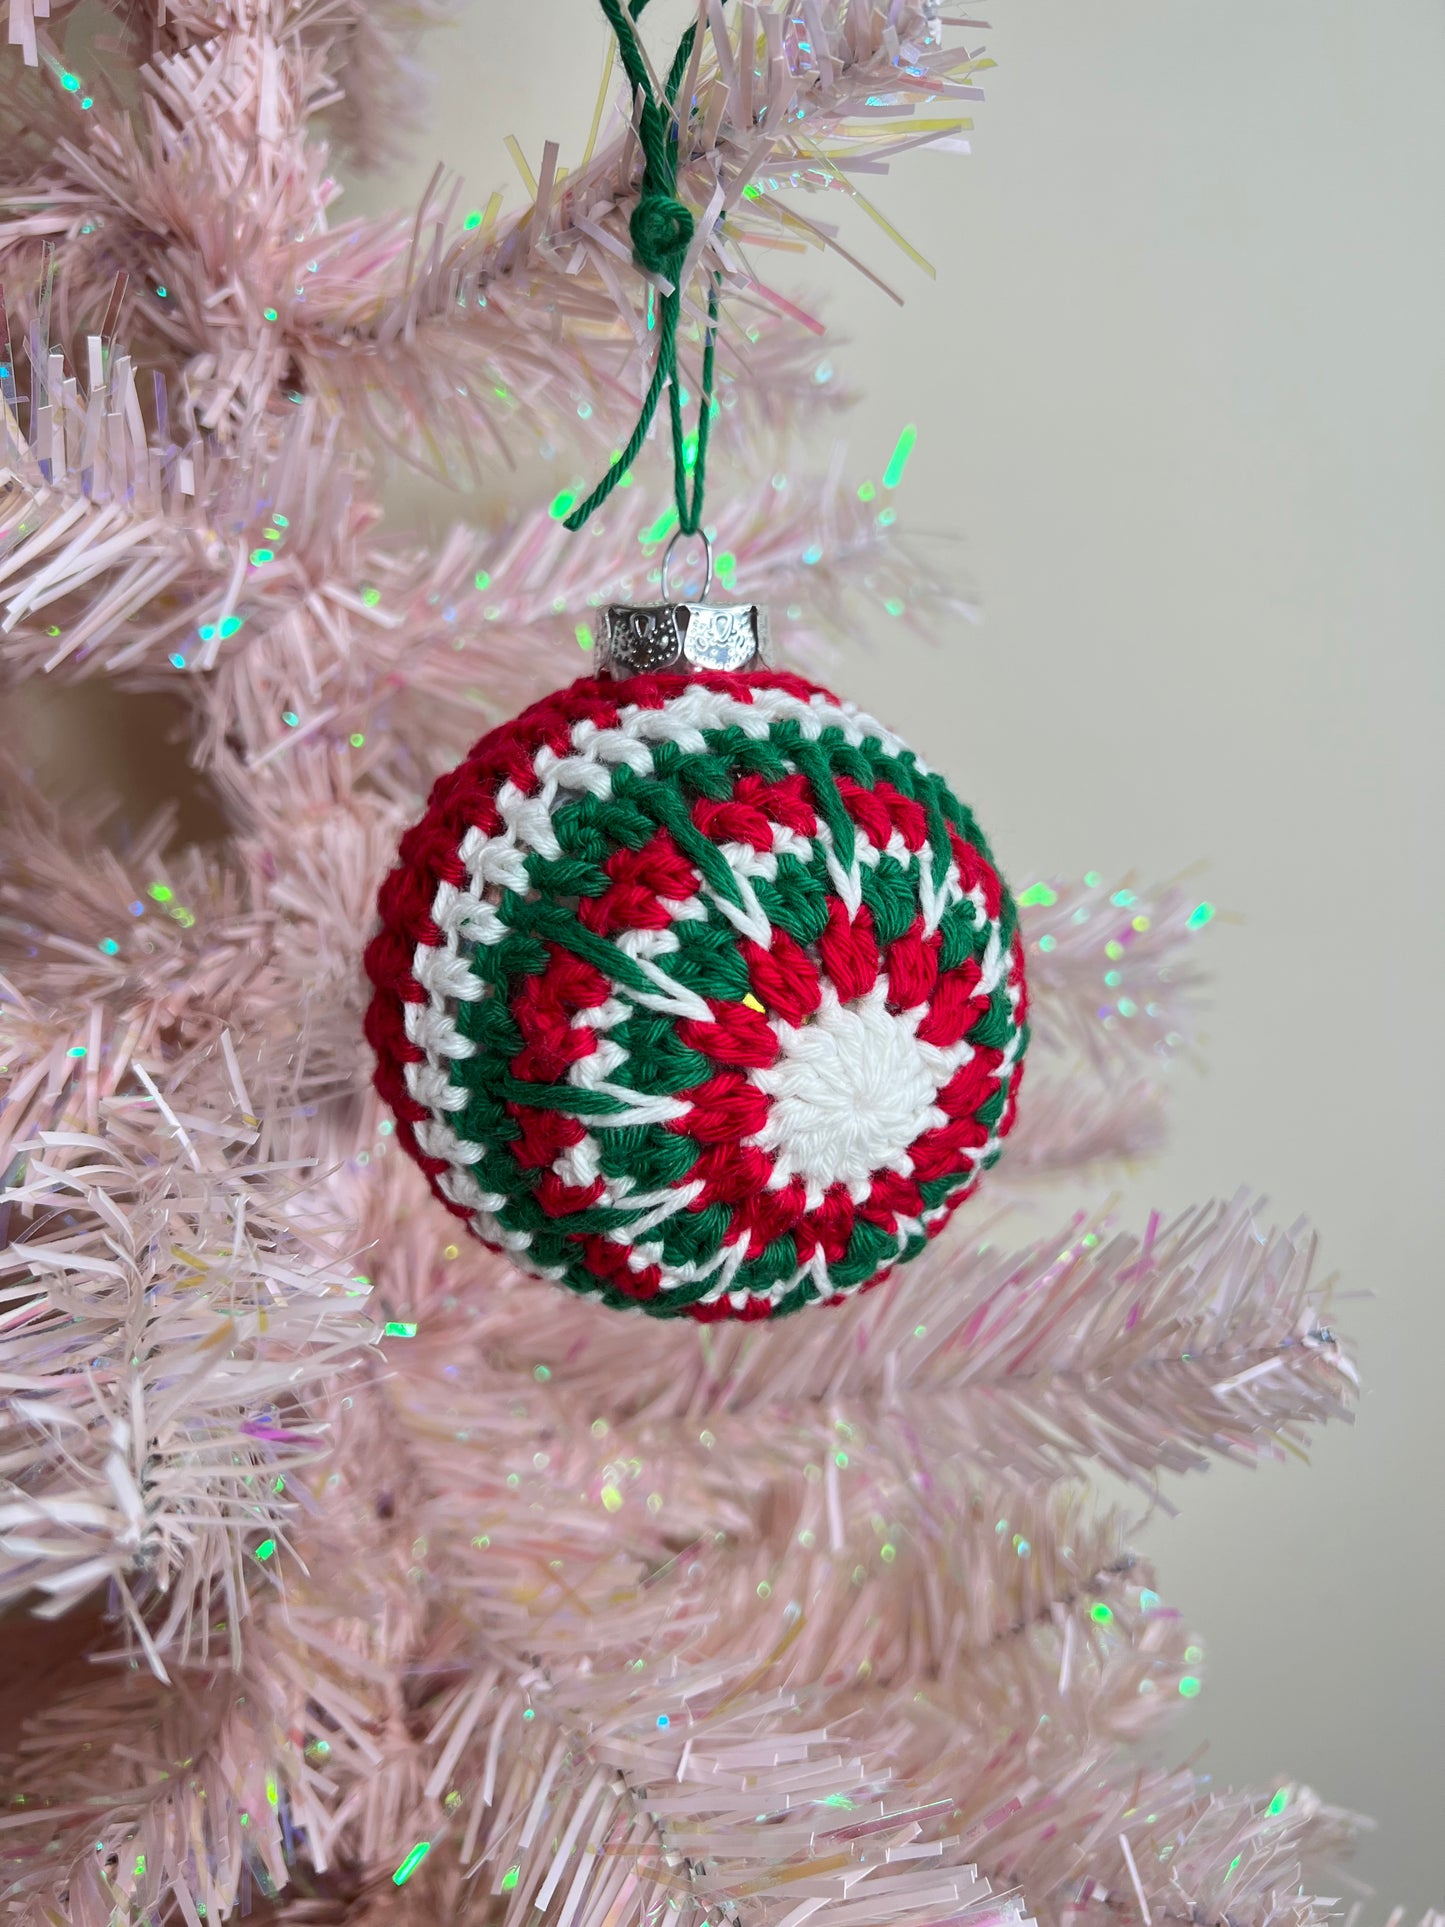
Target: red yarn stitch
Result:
[737, 1036]
[849, 951]
[783, 978]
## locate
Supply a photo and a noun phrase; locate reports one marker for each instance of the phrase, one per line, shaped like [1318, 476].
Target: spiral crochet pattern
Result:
[698, 995]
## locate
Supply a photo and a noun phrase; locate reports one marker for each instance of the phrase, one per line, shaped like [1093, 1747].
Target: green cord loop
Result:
[663, 229]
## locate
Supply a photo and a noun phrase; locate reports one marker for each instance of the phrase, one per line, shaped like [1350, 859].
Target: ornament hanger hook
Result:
[706, 570]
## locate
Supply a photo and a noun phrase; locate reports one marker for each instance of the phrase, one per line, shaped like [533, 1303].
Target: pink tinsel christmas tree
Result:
[430, 1594]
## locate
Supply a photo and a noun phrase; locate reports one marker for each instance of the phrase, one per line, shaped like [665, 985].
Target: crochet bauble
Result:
[698, 994]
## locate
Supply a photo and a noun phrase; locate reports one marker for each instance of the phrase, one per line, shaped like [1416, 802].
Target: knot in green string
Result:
[662, 226]
[662, 229]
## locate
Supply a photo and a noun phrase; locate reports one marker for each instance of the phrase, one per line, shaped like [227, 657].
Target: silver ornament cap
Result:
[676, 637]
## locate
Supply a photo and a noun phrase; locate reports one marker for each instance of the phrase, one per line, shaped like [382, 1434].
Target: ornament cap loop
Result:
[678, 535]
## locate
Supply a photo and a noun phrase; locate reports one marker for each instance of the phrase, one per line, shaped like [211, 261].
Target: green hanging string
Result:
[662, 228]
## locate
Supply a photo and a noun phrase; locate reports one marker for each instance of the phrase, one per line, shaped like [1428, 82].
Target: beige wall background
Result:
[1180, 392]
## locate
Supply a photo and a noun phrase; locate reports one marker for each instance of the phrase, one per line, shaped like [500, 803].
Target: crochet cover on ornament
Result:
[699, 995]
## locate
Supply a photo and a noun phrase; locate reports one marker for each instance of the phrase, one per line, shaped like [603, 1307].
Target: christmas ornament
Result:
[698, 993]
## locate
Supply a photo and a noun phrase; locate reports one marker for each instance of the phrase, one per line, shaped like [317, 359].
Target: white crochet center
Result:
[851, 1091]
